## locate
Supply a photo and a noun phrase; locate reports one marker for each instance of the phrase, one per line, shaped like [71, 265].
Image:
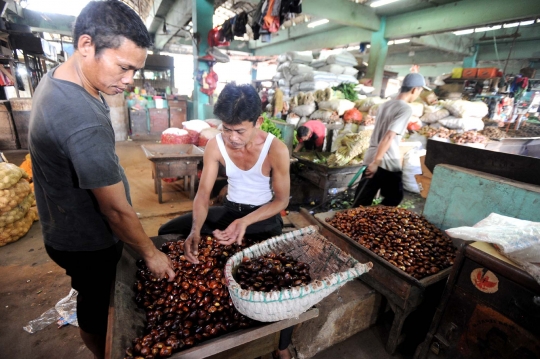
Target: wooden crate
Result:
[126, 322]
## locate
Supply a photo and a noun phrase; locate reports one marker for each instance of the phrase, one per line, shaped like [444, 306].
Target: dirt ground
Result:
[30, 283]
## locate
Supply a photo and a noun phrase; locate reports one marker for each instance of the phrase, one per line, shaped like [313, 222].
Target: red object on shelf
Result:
[487, 72]
[469, 73]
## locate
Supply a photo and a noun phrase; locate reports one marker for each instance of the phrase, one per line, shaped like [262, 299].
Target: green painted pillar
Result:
[202, 16]
[377, 56]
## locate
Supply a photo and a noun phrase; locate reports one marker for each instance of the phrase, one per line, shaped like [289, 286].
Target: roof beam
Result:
[522, 50]
[446, 42]
[333, 38]
[178, 16]
[292, 33]
[53, 23]
[344, 12]
[526, 33]
[459, 15]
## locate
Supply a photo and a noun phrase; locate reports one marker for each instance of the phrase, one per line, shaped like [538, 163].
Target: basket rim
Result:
[297, 292]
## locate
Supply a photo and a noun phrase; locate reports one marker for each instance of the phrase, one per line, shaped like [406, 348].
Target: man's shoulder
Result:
[279, 151]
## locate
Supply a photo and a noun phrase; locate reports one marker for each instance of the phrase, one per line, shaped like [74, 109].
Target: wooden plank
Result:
[463, 197]
[298, 220]
[515, 167]
[256, 348]
[236, 339]
[126, 320]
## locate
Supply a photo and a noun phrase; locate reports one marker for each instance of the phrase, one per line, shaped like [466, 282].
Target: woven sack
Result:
[330, 269]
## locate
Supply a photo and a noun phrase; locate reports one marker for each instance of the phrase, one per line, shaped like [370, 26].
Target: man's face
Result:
[237, 136]
[112, 70]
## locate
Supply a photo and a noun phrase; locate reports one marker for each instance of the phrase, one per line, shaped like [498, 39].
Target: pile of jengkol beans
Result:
[403, 238]
[272, 272]
[195, 307]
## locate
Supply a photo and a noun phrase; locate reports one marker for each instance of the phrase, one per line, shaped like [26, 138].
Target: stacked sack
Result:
[342, 65]
[291, 64]
[16, 201]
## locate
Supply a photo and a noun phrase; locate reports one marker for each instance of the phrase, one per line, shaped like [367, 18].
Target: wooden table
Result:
[171, 161]
[126, 322]
[403, 292]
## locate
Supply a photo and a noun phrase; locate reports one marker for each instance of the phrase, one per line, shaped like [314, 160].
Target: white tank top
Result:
[251, 186]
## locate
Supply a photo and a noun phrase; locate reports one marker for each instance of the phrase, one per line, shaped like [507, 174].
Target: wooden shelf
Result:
[470, 79]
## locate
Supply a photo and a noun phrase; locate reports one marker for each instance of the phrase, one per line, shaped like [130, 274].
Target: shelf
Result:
[470, 79]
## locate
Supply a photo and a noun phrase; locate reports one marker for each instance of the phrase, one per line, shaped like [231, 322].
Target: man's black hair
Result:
[108, 23]
[302, 131]
[405, 89]
[238, 103]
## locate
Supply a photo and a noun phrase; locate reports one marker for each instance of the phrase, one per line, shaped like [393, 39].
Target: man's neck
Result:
[405, 96]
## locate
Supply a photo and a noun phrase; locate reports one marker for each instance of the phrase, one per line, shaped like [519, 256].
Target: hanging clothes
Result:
[271, 23]
[240, 24]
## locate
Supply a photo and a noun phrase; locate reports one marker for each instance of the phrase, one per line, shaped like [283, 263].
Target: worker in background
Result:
[257, 167]
[383, 157]
[81, 190]
[310, 136]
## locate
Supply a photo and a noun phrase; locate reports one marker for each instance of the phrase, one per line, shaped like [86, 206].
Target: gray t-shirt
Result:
[71, 142]
[392, 116]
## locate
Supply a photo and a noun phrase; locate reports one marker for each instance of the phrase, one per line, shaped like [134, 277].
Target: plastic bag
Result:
[65, 311]
[515, 238]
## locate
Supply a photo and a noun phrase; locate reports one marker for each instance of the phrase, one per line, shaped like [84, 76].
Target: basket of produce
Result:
[286, 275]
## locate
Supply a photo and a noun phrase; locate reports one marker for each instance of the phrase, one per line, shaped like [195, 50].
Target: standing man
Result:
[257, 166]
[81, 190]
[311, 136]
[383, 156]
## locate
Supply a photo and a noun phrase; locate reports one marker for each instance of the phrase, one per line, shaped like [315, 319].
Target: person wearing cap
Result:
[383, 158]
[311, 136]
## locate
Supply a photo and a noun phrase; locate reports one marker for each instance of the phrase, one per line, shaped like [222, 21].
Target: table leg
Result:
[400, 314]
[159, 189]
[192, 187]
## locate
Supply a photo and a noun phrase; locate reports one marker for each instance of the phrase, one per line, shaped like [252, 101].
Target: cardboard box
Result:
[487, 72]
[425, 171]
[423, 184]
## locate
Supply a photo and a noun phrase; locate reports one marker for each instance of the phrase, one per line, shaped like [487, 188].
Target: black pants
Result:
[92, 275]
[220, 217]
[389, 183]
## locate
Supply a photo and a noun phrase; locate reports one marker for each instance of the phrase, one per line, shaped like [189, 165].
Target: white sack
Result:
[335, 69]
[412, 167]
[465, 124]
[462, 108]
[340, 106]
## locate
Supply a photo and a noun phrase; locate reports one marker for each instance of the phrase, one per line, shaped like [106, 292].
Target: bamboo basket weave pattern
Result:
[330, 269]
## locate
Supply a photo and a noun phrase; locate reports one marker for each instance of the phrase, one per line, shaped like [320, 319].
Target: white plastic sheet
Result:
[64, 312]
[516, 239]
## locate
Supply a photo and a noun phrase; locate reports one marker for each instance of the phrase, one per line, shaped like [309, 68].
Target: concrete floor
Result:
[30, 283]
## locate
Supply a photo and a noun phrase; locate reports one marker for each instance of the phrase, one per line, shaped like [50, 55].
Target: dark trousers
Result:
[92, 275]
[389, 183]
[220, 217]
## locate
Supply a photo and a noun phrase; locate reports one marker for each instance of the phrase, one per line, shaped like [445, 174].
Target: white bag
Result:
[313, 86]
[411, 167]
[297, 79]
[300, 57]
[304, 110]
[350, 71]
[318, 63]
[365, 104]
[462, 108]
[431, 117]
[345, 59]
[517, 239]
[335, 69]
[465, 124]
[417, 109]
[340, 106]
[297, 69]
[347, 79]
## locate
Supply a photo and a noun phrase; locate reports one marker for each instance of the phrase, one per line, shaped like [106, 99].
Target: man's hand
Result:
[371, 169]
[160, 265]
[234, 233]
[191, 247]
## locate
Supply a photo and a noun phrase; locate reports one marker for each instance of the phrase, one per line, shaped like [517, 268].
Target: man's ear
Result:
[259, 122]
[86, 46]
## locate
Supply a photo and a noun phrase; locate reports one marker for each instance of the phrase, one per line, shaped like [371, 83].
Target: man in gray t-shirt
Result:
[382, 157]
[81, 190]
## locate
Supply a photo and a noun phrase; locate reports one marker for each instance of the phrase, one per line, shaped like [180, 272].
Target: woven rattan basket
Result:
[330, 269]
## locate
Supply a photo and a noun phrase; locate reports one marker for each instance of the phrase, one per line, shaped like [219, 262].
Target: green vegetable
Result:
[270, 127]
[347, 90]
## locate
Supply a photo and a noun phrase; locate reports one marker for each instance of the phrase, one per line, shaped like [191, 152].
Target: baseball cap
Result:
[415, 80]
